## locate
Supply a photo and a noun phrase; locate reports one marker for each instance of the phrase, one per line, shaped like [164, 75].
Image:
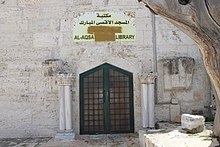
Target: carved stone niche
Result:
[178, 72]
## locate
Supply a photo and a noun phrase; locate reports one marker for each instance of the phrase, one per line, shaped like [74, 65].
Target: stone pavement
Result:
[173, 136]
[111, 140]
[178, 139]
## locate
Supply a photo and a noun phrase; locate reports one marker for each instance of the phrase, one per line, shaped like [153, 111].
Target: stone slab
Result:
[192, 123]
[65, 135]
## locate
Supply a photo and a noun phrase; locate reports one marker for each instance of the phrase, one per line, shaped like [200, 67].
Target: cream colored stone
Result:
[174, 112]
[47, 39]
[192, 123]
[162, 112]
[33, 31]
[12, 26]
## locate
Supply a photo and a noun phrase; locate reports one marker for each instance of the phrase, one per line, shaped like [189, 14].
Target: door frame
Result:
[106, 112]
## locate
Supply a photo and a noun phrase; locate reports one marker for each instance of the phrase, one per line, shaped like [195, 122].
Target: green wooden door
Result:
[106, 101]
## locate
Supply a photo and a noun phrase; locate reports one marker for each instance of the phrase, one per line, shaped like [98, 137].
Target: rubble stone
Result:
[192, 123]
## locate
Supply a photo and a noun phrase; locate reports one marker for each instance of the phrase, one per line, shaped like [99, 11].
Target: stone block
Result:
[192, 123]
[24, 3]
[147, 40]
[174, 112]
[162, 112]
[66, 135]
[11, 26]
[83, 2]
[8, 2]
[142, 138]
[142, 26]
[44, 25]
[163, 24]
[99, 2]
[44, 12]
[123, 3]
[47, 39]
[65, 25]
[14, 39]
[144, 13]
[13, 13]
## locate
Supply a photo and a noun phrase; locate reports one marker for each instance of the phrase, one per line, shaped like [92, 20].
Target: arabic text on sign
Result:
[105, 22]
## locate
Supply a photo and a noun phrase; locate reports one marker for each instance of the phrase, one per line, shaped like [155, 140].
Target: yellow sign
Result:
[104, 26]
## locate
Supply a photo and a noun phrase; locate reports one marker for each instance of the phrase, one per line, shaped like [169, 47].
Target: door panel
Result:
[119, 101]
[93, 111]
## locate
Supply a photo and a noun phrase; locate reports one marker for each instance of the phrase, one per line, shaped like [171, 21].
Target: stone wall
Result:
[193, 95]
[35, 32]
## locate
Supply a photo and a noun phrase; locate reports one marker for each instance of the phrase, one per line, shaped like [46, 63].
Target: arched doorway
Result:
[106, 100]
